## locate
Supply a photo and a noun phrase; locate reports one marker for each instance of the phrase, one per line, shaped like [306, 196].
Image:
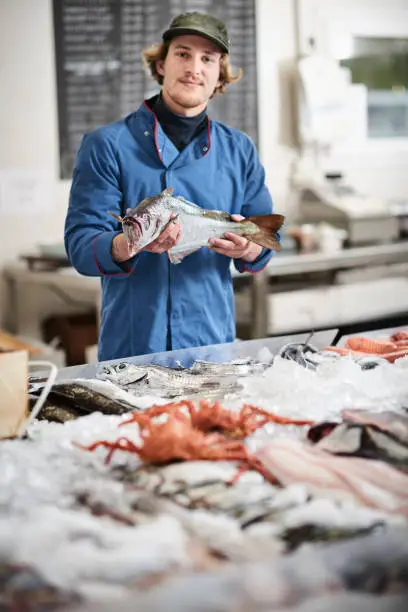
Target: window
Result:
[381, 64]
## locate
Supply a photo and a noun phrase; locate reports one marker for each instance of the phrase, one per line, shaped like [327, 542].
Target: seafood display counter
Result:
[260, 475]
[251, 349]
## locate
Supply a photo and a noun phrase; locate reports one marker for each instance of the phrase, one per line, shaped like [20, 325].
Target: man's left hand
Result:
[235, 246]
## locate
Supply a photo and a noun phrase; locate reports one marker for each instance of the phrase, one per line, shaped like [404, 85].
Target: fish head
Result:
[123, 373]
[147, 220]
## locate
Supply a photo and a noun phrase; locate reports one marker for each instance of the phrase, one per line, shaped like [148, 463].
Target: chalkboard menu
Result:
[101, 76]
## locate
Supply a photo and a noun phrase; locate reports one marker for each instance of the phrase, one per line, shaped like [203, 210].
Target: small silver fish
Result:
[168, 382]
[122, 373]
[239, 367]
[148, 219]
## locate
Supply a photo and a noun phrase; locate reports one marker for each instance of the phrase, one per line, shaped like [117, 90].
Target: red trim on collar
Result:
[101, 272]
[156, 129]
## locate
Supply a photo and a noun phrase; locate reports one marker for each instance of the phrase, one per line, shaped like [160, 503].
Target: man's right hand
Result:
[166, 240]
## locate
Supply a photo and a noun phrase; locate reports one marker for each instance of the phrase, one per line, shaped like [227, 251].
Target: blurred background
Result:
[324, 97]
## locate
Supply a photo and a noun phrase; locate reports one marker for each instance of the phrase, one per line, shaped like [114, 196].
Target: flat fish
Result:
[368, 482]
[393, 423]
[359, 440]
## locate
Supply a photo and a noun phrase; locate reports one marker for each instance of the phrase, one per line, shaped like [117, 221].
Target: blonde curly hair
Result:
[158, 52]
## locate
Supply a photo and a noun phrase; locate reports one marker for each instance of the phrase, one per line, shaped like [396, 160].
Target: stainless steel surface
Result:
[215, 352]
[366, 220]
[33, 295]
[283, 265]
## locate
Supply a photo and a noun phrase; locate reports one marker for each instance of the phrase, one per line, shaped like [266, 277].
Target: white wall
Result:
[276, 62]
[374, 166]
[28, 125]
[28, 109]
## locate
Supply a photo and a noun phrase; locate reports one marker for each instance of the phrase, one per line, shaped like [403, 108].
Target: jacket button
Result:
[146, 133]
[205, 148]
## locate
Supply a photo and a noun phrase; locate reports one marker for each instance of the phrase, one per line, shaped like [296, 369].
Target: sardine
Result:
[147, 220]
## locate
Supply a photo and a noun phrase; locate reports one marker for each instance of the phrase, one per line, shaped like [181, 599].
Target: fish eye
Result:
[106, 370]
[122, 366]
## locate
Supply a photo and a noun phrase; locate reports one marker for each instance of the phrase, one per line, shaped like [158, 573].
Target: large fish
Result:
[148, 219]
[72, 398]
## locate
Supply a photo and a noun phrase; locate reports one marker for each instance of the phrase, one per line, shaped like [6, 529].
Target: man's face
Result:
[190, 74]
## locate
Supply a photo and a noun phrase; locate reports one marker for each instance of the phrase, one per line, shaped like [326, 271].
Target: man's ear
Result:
[160, 67]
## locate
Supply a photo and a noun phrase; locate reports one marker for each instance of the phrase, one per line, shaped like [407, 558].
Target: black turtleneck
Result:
[180, 129]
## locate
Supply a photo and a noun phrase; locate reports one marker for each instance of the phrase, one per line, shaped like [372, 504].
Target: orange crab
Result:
[209, 417]
[176, 439]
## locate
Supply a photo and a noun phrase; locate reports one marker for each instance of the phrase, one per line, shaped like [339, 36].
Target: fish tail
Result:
[115, 216]
[267, 236]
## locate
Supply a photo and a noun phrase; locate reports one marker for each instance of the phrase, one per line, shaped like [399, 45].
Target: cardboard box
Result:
[13, 392]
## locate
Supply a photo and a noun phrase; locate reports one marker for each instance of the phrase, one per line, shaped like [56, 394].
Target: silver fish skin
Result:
[170, 383]
[239, 367]
[92, 395]
[147, 220]
[125, 374]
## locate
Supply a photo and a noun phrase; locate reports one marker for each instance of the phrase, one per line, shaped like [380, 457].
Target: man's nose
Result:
[195, 65]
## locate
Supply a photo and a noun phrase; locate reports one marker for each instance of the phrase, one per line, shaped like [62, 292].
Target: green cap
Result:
[201, 24]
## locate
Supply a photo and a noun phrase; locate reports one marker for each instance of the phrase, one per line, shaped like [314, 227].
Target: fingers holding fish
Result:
[233, 246]
[168, 238]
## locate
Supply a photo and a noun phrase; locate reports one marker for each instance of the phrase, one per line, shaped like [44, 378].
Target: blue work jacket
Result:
[149, 304]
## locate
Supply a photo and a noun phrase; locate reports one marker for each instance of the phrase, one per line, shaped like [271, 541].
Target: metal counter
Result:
[376, 255]
[33, 295]
[215, 352]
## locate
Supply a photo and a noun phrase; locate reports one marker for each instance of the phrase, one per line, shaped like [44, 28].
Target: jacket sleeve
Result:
[95, 190]
[257, 201]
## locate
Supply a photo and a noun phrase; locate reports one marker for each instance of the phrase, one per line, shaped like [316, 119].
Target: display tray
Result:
[216, 352]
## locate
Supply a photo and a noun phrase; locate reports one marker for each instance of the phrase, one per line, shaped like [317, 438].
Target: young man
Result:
[148, 304]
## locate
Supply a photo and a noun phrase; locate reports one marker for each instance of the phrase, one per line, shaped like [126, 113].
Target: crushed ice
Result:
[41, 478]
